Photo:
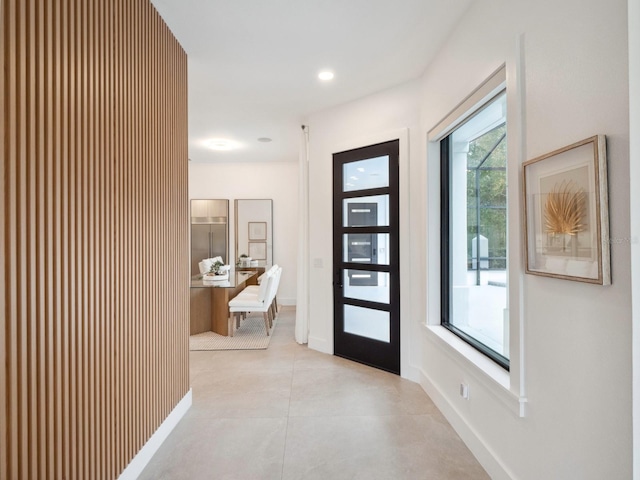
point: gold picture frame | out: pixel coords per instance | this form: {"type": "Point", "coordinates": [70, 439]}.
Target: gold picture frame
{"type": "Point", "coordinates": [567, 213]}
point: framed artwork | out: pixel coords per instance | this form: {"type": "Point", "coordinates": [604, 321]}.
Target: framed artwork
{"type": "Point", "coordinates": [258, 250]}
{"type": "Point", "coordinates": [257, 231]}
{"type": "Point", "coordinates": [567, 213]}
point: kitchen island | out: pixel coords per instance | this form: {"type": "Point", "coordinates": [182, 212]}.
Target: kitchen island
{"type": "Point", "coordinates": [210, 300]}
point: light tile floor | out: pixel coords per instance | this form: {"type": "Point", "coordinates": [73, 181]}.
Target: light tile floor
{"type": "Point", "coordinates": [292, 413]}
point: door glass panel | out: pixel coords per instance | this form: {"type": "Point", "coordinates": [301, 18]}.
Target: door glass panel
{"type": "Point", "coordinates": [366, 322]}
{"type": "Point", "coordinates": [364, 285]}
{"type": "Point", "coordinates": [366, 174]}
{"type": "Point", "coordinates": [366, 211]}
{"type": "Point", "coordinates": [366, 248]}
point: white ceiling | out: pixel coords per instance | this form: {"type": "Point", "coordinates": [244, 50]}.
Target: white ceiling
{"type": "Point", "coordinates": [253, 64]}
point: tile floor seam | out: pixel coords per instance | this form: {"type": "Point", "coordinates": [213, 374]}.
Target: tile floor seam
{"type": "Point", "coordinates": [382, 415]}
{"type": "Point", "coordinates": [286, 427]}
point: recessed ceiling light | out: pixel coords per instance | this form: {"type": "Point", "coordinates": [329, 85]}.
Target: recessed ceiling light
{"type": "Point", "coordinates": [221, 144]}
{"type": "Point", "coordinates": [325, 75]}
{"type": "Point", "coordinates": [264, 139]}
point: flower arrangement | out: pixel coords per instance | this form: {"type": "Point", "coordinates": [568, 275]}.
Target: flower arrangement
{"type": "Point", "coordinates": [215, 268]}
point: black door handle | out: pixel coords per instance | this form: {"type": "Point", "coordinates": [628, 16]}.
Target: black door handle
{"type": "Point", "coordinates": [338, 279]}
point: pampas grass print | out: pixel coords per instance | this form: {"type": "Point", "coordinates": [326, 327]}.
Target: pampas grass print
{"type": "Point", "coordinates": [564, 209]}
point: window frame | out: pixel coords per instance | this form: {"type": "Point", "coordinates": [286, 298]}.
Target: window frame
{"type": "Point", "coordinates": [445, 237]}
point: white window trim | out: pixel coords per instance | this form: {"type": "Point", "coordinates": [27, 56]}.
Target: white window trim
{"type": "Point", "coordinates": [474, 101]}
{"type": "Point", "coordinates": [507, 386]}
{"type": "Point", "coordinates": [485, 371]}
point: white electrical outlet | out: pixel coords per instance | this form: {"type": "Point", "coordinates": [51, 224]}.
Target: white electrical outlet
{"type": "Point", "coordinates": [464, 391]}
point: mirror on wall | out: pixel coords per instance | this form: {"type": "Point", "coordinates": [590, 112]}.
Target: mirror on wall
{"type": "Point", "coordinates": [254, 231]}
{"type": "Point", "coordinates": [209, 231]}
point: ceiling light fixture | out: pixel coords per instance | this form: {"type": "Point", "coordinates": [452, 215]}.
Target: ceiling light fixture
{"type": "Point", "coordinates": [326, 75]}
{"type": "Point", "coordinates": [264, 139]}
{"type": "Point", "coordinates": [221, 144]}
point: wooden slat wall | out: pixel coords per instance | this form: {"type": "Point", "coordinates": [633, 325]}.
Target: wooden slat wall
{"type": "Point", "coordinates": [94, 296]}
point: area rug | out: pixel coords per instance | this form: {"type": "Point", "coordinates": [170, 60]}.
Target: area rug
{"type": "Point", "coordinates": [250, 336]}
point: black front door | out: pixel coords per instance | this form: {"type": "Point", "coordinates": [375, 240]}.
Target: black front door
{"type": "Point", "coordinates": [366, 256]}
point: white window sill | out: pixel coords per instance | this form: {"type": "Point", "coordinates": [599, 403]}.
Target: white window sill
{"type": "Point", "coordinates": [493, 377]}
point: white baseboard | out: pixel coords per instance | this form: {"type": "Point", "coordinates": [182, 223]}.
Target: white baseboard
{"type": "Point", "coordinates": [411, 372]}
{"type": "Point", "coordinates": [487, 458]}
{"type": "Point", "coordinates": [286, 301]}
{"type": "Point", "coordinates": [320, 344]}
{"type": "Point", "coordinates": [135, 467]}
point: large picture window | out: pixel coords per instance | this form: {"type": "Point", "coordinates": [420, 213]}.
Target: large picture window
{"type": "Point", "coordinates": [474, 230]}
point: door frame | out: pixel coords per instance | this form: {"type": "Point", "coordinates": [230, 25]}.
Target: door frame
{"type": "Point", "coordinates": [320, 320]}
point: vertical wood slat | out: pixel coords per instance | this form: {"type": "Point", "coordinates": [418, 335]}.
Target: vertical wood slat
{"type": "Point", "coordinates": [9, 396]}
{"type": "Point", "coordinates": [4, 457]}
{"type": "Point", "coordinates": [48, 248]}
{"type": "Point", "coordinates": [44, 468]}
{"type": "Point", "coordinates": [33, 234]}
{"type": "Point", "coordinates": [110, 233]}
{"type": "Point", "coordinates": [22, 244]}
{"type": "Point", "coordinates": [94, 197]}
{"type": "Point", "coordinates": [56, 269]}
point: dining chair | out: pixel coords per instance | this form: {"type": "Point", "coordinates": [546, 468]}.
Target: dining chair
{"type": "Point", "coordinates": [248, 302]}
{"type": "Point", "coordinates": [253, 289]}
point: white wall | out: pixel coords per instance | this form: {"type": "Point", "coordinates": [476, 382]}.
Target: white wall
{"type": "Point", "coordinates": [573, 353]}
{"type": "Point", "coordinates": [576, 355]}
{"type": "Point", "coordinates": [275, 180]}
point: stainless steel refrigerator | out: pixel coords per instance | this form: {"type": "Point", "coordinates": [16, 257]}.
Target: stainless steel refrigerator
{"type": "Point", "coordinates": [209, 231]}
